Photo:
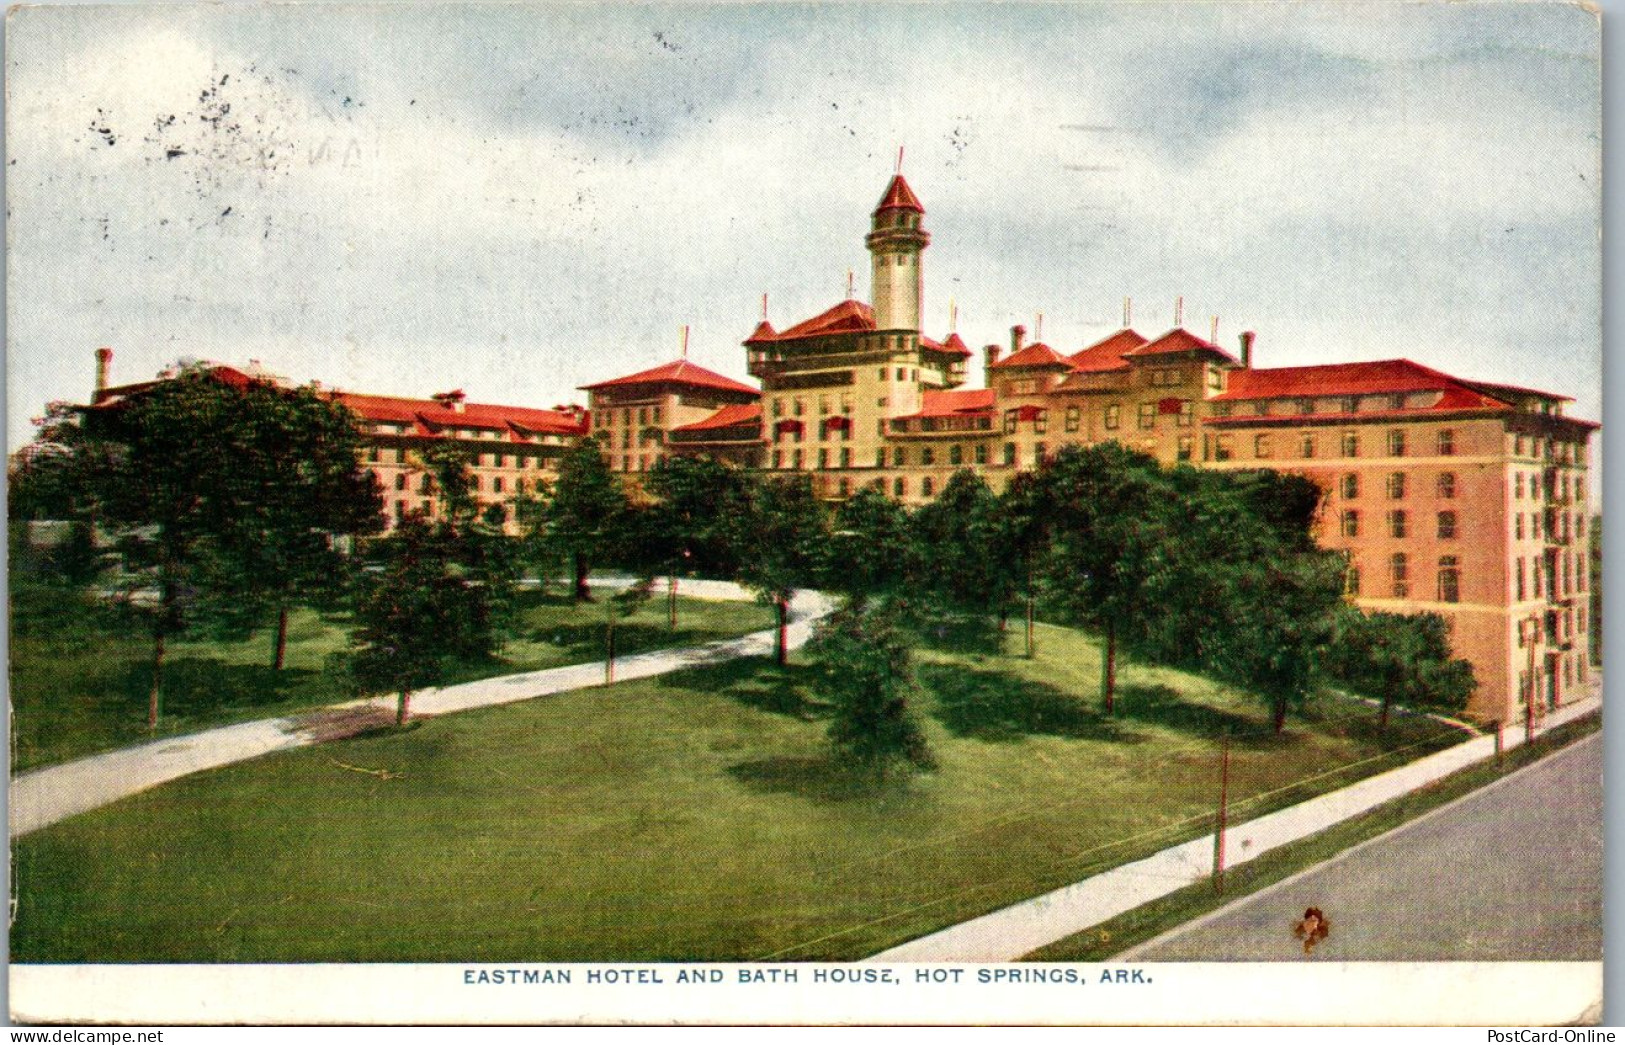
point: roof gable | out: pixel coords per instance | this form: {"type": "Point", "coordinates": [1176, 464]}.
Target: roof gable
{"type": "Point", "coordinates": [849, 317]}
{"type": "Point", "coordinates": [1034, 355]}
{"type": "Point", "coordinates": [1178, 340]}
{"type": "Point", "coordinates": [1107, 354]}
{"type": "Point", "coordinates": [679, 372]}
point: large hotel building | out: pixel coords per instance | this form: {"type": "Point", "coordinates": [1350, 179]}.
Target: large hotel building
{"type": "Point", "coordinates": [1448, 495]}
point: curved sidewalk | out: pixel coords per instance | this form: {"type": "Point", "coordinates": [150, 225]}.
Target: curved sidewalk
{"type": "Point", "coordinates": [46, 796]}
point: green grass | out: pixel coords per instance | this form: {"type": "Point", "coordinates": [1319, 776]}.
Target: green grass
{"type": "Point", "coordinates": [1110, 938]}
{"type": "Point", "coordinates": [693, 816]}
{"type": "Point", "coordinates": [80, 672]}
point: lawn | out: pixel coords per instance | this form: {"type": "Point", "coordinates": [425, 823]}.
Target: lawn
{"type": "Point", "coordinates": [80, 672]}
{"type": "Point", "coordinates": [692, 816]}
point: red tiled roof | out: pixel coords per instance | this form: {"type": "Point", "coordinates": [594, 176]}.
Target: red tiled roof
{"type": "Point", "coordinates": [429, 417]}
{"type": "Point", "coordinates": [954, 346]}
{"type": "Point", "coordinates": [1035, 355]}
{"type": "Point", "coordinates": [1107, 354]}
{"type": "Point", "coordinates": [899, 197]}
{"type": "Point", "coordinates": [849, 317]}
{"type": "Point", "coordinates": [1337, 379]}
{"type": "Point", "coordinates": [1178, 340]}
{"type": "Point", "coordinates": [678, 372]}
{"type": "Point", "coordinates": [730, 416]}
{"type": "Point", "coordinates": [952, 404]}
{"type": "Point", "coordinates": [764, 332]}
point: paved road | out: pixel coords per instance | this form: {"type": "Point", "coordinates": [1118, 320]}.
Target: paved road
{"type": "Point", "coordinates": [1513, 871]}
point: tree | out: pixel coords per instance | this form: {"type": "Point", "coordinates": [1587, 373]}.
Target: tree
{"type": "Point", "coordinates": [864, 671]}
{"type": "Point", "coordinates": [960, 556]}
{"type": "Point", "coordinates": [418, 614]}
{"type": "Point", "coordinates": [869, 550]}
{"type": "Point", "coordinates": [585, 511]}
{"type": "Point", "coordinates": [697, 504]}
{"type": "Point", "coordinates": [1404, 657]}
{"type": "Point", "coordinates": [449, 468]}
{"type": "Point", "coordinates": [207, 480]}
{"type": "Point", "coordinates": [781, 538]}
{"type": "Point", "coordinates": [1021, 523]}
{"type": "Point", "coordinates": [1109, 548]}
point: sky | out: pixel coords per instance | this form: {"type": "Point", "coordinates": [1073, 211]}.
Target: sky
{"type": "Point", "coordinates": [517, 200]}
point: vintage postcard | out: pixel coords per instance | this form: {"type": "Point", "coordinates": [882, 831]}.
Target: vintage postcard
{"type": "Point", "coordinates": [805, 513]}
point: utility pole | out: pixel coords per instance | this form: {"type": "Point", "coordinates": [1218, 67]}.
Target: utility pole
{"type": "Point", "coordinates": [1224, 803]}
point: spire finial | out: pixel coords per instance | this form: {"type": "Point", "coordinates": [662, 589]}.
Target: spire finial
{"type": "Point", "coordinates": [1179, 311]}
{"type": "Point", "coordinates": [1214, 338]}
{"type": "Point", "coordinates": [849, 291]}
{"type": "Point", "coordinates": [685, 340]}
{"type": "Point", "coordinates": [764, 307]}
{"type": "Point", "coordinates": [1128, 313]}
{"type": "Point", "coordinates": [899, 159]}
{"type": "Point", "coordinates": [953, 317]}
{"type": "Point", "coordinates": [1038, 328]}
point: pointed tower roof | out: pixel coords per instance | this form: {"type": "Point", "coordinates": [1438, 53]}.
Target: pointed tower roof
{"type": "Point", "coordinates": [899, 197]}
{"type": "Point", "coordinates": [764, 332]}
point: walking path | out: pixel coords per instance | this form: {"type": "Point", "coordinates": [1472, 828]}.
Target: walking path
{"type": "Point", "coordinates": [45, 796]}
{"type": "Point", "coordinates": [1008, 934]}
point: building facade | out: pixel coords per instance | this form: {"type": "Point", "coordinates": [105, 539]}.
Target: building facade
{"type": "Point", "coordinates": [1447, 495]}
{"type": "Point", "coordinates": [510, 449]}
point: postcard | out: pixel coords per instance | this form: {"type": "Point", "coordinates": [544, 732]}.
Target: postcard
{"type": "Point", "coordinates": [805, 513]}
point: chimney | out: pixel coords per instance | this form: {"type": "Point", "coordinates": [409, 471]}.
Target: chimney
{"type": "Point", "coordinates": [104, 360]}
{"type": "Point", "coordinates": [993, 354]}
{"type": "Point", "coordinates": [1018, 337]}
{"type": "Point", "coordinates": [1247, 337]}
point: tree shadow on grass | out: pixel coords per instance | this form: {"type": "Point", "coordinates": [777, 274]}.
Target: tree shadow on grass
{"type": "Point", "coordinates": [1163, 706]}
{"type": "Point", "coordinates": [992, 706]}
{"type": "Point", "coordinates": [756, 682]}
{"type": "Point", "coordinates": [201, 686]}
{"type": "Point", "coordinates": [821, 778]}
{"type": "Point", "coordinates": [958, 633]}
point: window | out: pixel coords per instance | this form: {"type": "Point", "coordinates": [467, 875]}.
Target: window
{"type": "Point", "coordinates": [899, 373]}
{"type": "Point", "coordinates": [981, 453]}
{"type": "Point", "coordinates": [1187, 413]}
{"type": "Point", "coordinates": [1396, 486]}
{"type": "Point", "coordinates": [643, 415]}
{"type": "Point", "coordinates": [1399, 573]}
{"type": "Point", "coordinates": [880, 457]}
{"type": "Point", "coordinates": [823, 406]}
{"type": "Point", "coordinates": [1518, 445]}
{"type": "Point", "coordinates": [899, 457]}
{"type": "Point", "coordinates": [1148, 415]}
{"type": "Point", "coordinates": [1447, 442]}
{"type": "Point", "coordinates": [1010, 453]}
{"type": "Point", "coordinates": [1449, 580]}
{"type": "Point", "coordinates": [1396, 524]}
{"type": "Point", "coordinates": [823, 459]}
{"type": "Point", "coordinates": [926, 486]}
{"type": "Point", "coordinates": [1306, 406]}
{"type": "Point", "coordinates": [1114, 417]}
{"type": "Point", "coordinates": [1222, 450]}
{"type": "Point", "coordinates": [800, 461]}
{"type": "Point", "coordinates": [956, 454]}
{"type": "Point", "coordinates": [427, 486]}
{"type": "Point", "coordinates": [1396, 442]}
{"type": "Point", "coordinates": [846, 457]}
{"type": "Point", "coordinates": [1351, 444]}
{"type": "Point", "coordinates": [1517, 486]}
{"type": "Point", "coordinates": [778, 408]}
{"type": "Point", "coordinates": [1350, 404]}
{"type": "Point", "coordinates": [400, 510]}
{"type": "Point", "coordinates": [928, 455]}
{"type": "Point", "coordinates": [778, 458]}
{"type": "Point", "coordinates": [1261, 447]}
{"type": "Point", "coordinates": [1072, 416]}
{"type": "Point", "coordinates": [400, 481]}
{"type": "Point", "coordinates": [400, 456]}
{"type": "Point", "coordinates": [1040, 453]}
{"type": "Point", "coordinates": [1445, 486]}
{"type": "Point", "coordinates": [1261, 408]}
{"type": "Point", "coordinates": [1517, 526]}
{"type": "Point", "coordinates": [798, 408]}
{"type": "Point", "coordinates": [1351, 523]}
{"type": "Point", "coordinates": [1009, 421]}
{"type": "Point", "coordinates": [1350, 486]}
{"type": "Point", "coordinates": [1306, 446]}
{"type": "Point", "coordinates": [1396, 402]}
{"type": "Point", "coordinates": [1187, 446]}
{"type": "Point", "coordinates": [1535, 525]}
{"type": "Point", "coordinates": [1351, 579]}
{"type": "Point", "coordinates": [372, 455]}
{"type": "Point", "coordinates": [1518, 583]}
{"type": "Point", "coordinates": [1041, 422]}
{"type": "Point", "coordinates": [496, 485]}
{"type": "Point", "coordinates": [899, 487]}
{"type": "Point", "coordinates": [1447, 525]}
